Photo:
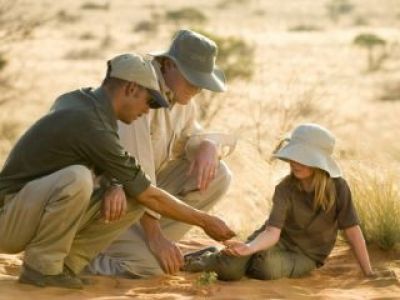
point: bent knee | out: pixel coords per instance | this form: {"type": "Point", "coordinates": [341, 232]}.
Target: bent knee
{"type": "Point", "coordinates": [223, 177]}
{"type": "Point", "coordinates": [79, 180]}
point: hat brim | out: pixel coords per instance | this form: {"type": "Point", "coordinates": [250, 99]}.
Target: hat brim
{"type": "Point", "coordinates": [158, 100]}
{"type": "Point", "coordinates": [310, 157]}
{"type": "Point", "coordinates": [214, 81]}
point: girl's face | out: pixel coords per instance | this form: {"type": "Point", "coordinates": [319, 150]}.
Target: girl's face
{"type": "Point", "coordinates": [301, 172]}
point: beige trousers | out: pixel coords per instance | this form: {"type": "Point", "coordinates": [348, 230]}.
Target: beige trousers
{"type": "Point", "coordinates": [55, 221]}
{"type": "Point", "coordinates": [129, 255]}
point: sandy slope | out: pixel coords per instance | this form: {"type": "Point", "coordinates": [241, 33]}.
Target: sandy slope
{"type": "Point", "coordinates": [339, 278]}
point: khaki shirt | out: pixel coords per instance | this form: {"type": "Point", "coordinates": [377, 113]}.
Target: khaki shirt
{"type": "Point", "coordinates": [166, 134]}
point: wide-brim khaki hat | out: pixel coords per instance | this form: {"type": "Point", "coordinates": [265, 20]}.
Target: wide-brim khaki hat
{"type": "Point", "coordinates": [195, 55]}
{"type": "Point", "coordinates": [311, 145]}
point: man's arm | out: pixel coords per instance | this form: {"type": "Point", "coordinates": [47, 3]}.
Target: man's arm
{"type": "Point", "coordinates": [169, 206]}
{"type": "Point", "coordinates": [167, 253]}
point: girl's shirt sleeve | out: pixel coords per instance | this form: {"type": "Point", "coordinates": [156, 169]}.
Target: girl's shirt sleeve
{"type": "Point", "coordinates": [280, 204]}
{"type": "Point", "coordinates": [346, 212]}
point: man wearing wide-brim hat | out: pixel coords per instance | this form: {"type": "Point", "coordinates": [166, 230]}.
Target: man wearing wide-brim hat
{"type": "Point", "coordinates": [173, 149]}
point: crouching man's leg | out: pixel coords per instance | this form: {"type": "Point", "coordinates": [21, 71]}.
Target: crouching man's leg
{"type": "Point", "coordinates": [48, 219]}
{"type": "Point", "coordinates": [130, 255]}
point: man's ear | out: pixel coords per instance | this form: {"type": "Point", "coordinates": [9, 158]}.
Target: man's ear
{"type": "Point", "coordinates": [131, 88]}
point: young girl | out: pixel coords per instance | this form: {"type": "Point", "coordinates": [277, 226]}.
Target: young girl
{"type": "Point", "coordinates": [310, 205]}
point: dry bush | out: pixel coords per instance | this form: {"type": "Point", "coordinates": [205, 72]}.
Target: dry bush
{"type": "Point", "coordinates": [66, 17]}
{"type": "Point", "coordinates": [84, 54]}
{"type": "Point", "coordinates": [377, 199]}
{"type": "Point", "coordinates": [391, 91]}
{"type": "Point", "coordinates": [96, 6]}
{"type": "Point", "coordinates": [272, 121]}
{"type": "Point", "coordinates": [187, 14]}
{"type": "Point", "coordinates": [86, 36]}
{"type": "Point", "coordinates": [338, 8]}
{"type": "Point", "coordinates": [16, 24]}
{"type": "Point", "coordinates": [305, 27]}
{"type": "Point", "coordinates": [148, 26]}
{"type": "Point", "coordinates": [224, 4]}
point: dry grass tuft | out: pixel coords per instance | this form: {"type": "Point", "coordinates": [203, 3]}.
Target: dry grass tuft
{"type": "Point", "coordinates": [377, 199]}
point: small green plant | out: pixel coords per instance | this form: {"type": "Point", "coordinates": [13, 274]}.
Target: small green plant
{"type": "Point", "coordinates": [372, 43]}
{"type": "Point", "coordinates": [377, 200]}
{"type": "Point", "coordinates": [187, 14]}
{"type": "Point", "coordinates": [337, 8]}
{"type": "Point", "coordinates": [206, 278]}
{"type": "Point", "coordinates": [96, 6]}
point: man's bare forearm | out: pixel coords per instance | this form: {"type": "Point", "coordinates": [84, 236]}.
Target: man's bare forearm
{"type": "Point", "coordinates": [171, 207]}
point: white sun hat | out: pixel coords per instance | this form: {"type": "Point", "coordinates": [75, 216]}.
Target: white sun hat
{"type": "Point", "coordinates": [311, 145]}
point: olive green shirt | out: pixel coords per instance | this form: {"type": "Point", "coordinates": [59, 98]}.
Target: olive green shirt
{"type": "Point", "coordinates": [80, 129]}
{"type": "Point", "coordinates": [305, 230]}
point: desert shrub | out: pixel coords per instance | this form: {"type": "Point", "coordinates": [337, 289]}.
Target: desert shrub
{"type": "Point", "coordinates": [83, 54]}
{"type": "Point", "coordinates": [337, 8]}
{"type": "Point", "coordinates": [360, 21]}
{"type": "Point", "coordinates": [16, 23]}
{"type": "Point", "coordinates": [96, 6]}
{"type": "Point", "coordinates": [187, 14]}
{"type": "Point", "coordinates": [391, 91]}
{"type": "Point", "coordinates": [229, 3]}
{"type": "Point", "coordinates": [305, 27]}
{"type": "Point", "coordinates": [63, 16]}
{"type": "Point", "coordinates": [87, 36]}
{"type": "Point", "coordinates": [375, 46]}
{"type": "Point", "coordinates": [377, 199]}
{"type": "Point", "coordinates": [9, 130]}
{"type": "Point", "coordinates": [146, 26]}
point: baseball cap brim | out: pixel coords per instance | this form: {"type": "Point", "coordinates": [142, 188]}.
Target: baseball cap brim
{"type": "Point", "coordinates": [158, 99]}
{"type": "Point", "coordinates": [214, 81]}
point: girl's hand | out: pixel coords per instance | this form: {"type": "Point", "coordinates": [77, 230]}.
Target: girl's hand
{"type": "Point", "coordinates": [237, 248]}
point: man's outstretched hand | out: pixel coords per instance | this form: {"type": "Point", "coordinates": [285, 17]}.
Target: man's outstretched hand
{"type": "Point", "coordinates": [217, 229]}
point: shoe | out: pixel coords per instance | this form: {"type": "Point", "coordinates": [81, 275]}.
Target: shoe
{"type": "Point", "coordinates": [197, 261]}
{"type": "Point", "coordinates": [33, 277]}
{"type": "Point", "coordinates": [84, 280]}
{"type": "Point", "coordinates": [198, 253]}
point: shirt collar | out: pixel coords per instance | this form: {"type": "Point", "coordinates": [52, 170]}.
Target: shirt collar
{"type": "Point", "coordinates": [165, 90]}
{"type": "Point", "coordinates": [105, 105]}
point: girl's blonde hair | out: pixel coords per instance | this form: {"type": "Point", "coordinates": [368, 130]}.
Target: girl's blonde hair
{"type": "Point", "coordinates": [324, 189]}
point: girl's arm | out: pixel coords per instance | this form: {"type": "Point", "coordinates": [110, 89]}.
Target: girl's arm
{"type": "Point", "coordinates": [266, 239]}
{"type": "Point", "coordinates": [357, 242]}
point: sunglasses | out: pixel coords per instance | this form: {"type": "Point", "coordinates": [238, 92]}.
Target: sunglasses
{"type": "Point", "coordinates": [152, 103]}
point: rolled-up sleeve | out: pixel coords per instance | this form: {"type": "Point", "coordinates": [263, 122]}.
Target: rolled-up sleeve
{"type": "Point", "coordinates": [104, 151]}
